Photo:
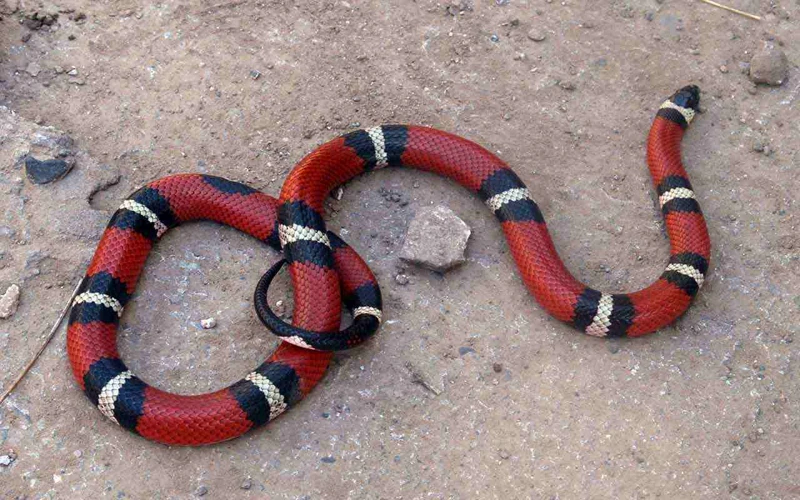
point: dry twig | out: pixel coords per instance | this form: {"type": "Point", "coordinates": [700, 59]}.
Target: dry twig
{"type": "Point", "coordinates": [44, 344]}
{"type": "Point", "coordinates": [731, 9]}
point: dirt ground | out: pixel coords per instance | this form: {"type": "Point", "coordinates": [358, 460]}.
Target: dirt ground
{"type": "Point", "coordinates": [243, 89]}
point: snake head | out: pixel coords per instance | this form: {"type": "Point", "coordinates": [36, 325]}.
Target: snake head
{"type": "Point", "coordinates": [687, 97]}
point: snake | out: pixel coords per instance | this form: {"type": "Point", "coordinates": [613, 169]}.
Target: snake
{"type": "Point", "coordinates": [326, 272]}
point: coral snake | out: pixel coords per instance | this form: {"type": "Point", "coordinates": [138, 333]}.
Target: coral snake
{"type": "Point", "coordinates": [325, 270]}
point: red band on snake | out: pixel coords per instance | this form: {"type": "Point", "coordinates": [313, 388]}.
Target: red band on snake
{"type": "Point", "coordinates": [324, 269]}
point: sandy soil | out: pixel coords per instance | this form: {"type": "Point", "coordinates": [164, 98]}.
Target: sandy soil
{"type": "Point", "coordinates": [705, 409]}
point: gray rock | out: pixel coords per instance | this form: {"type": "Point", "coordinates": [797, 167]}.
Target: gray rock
{"type": "Point", "coordinates": [43, 172]}
{"type": "Point", "coordinates": [33, 69]}
{"type": "Point", "coordinates": [537, 35]}
{"type": "Point", "coordinates": [6, 460]}
{"type": "Point", "coordinates": [9, 302]}
{"type": "Point", "coordinates": [769, 66]}
{"type": "Point", "coordinates": [436, 239]}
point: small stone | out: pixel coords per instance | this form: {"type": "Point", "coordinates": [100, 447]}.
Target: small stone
{"type": "Point", "coordinates": [280, 308]}
{"type": "Point", "coordinates": [246, 484]}
{"type": "Point", "coordinates": [494, 38]}
{"type": "Point", "coordinates": [43, 172]}
{"type": "Point", "coordinates": [497, 367]}
{"type": "Point", "coordinates": [208, 323]}
{"type": "Point", "coordinates": [723, 69]}
{"type": "Point", "coordinates": [769, 66]}
{"type": "Point", "coordinates": [504, 454]}
{"type": "Point", "coordinates": [71, 37]}
{"type": "Point", "coordinates": [567, 85]}
{"type": "Point", "coordinates": [77, 453]}
{"type": "Point", "coordinates": [401, 279]}
{"type": "Point", "coordinates": [6, 460]}
{"type": "Point", "coordinates": [328, 460]}
{"type": "Point", "coordinates": [201, 491]}
{"type": "Point", "coordinates": [73, 72]}
{"type": "Point", "coordinates": [26, 37]}
{"type": "Point", "coordinates": [33, 69]}
{"type": "Point", "coordinates": [9, 302]}
{"type": "Point", "coordinates": [436, 239]}
{"type": "Point", "coordinates": [460, 7]}
{"type": "Point", "coordinates": [462, 351]}
{"type": "Point", "coordinates": [537, 35]}
{"type": "Point", "coordinates": [255, 75]}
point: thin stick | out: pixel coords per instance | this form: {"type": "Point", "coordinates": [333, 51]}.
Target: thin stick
{"type": "Point", "coordinates": [44, 345]}
{"type": "Point", "coordinates": [731, 9]}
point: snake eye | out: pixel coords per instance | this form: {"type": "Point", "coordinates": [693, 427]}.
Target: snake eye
{"type": "Point", "coordinates": [687, 97]}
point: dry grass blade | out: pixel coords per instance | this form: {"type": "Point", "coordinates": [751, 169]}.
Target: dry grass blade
{"type": "Point", "coordinates": [731, 9]}
{"type": "Point", "coordinates": [44, 344]}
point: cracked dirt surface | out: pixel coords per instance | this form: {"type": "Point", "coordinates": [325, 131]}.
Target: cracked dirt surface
{"type": "Point", "coordinates": [470, 390]}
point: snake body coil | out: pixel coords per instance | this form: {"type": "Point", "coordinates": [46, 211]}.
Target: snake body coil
{"type": "Point", "coordinates": [325, 270]}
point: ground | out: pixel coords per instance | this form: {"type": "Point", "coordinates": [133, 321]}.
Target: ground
{"type": "Point", "coordinates": [470, 390]}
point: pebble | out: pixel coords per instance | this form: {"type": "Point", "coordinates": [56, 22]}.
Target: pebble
{"type": "Point", "coordinates": [436, 239]}
{"type": "Point", "coordinates": [246, 484]}
{"type": "Point", "coordinates": [769, 66]}
{"type": "Point", "coordinates": [393, 196]}
{"type": "Point", "coordinates": [73, 72]}
{"type": "Point", "coordinates": [7, 459]}
{"type": "Point", "coordinates": [537, 35]}
{"type": "Point", "coordinates": [401, 279]}
{"type": "Point", "coordinates": [328, 460]}
{"type": "Point", "coordinates": [9, 302]}
{"type": "Point", "coordinates": [208, 323]}
{"type": "Point", "coordinates": [459, 7]}
{"type": "Point", "coordinates": [43, 172]}
{"type": "Point", "coordinates": [33, 69]}
{"type": "Point", "coordinates": [465, 350]}
{"type": "Point", "coordinates": [567, 85]}
{"type": "Point", "coordinates": [723, 69]}
{"type": "Point", "coordinates": [201, 491]}
{"type": "Point", "coordinates": [504, 454]}
{"type": "Point", "coordinates": [497, 367]}
{"type": "Point", "coordinates": [280, 308]}
{"type": "Point", "coordinates": [762, 148]}
{"type": "Point", "coordinates": [255, 74]}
